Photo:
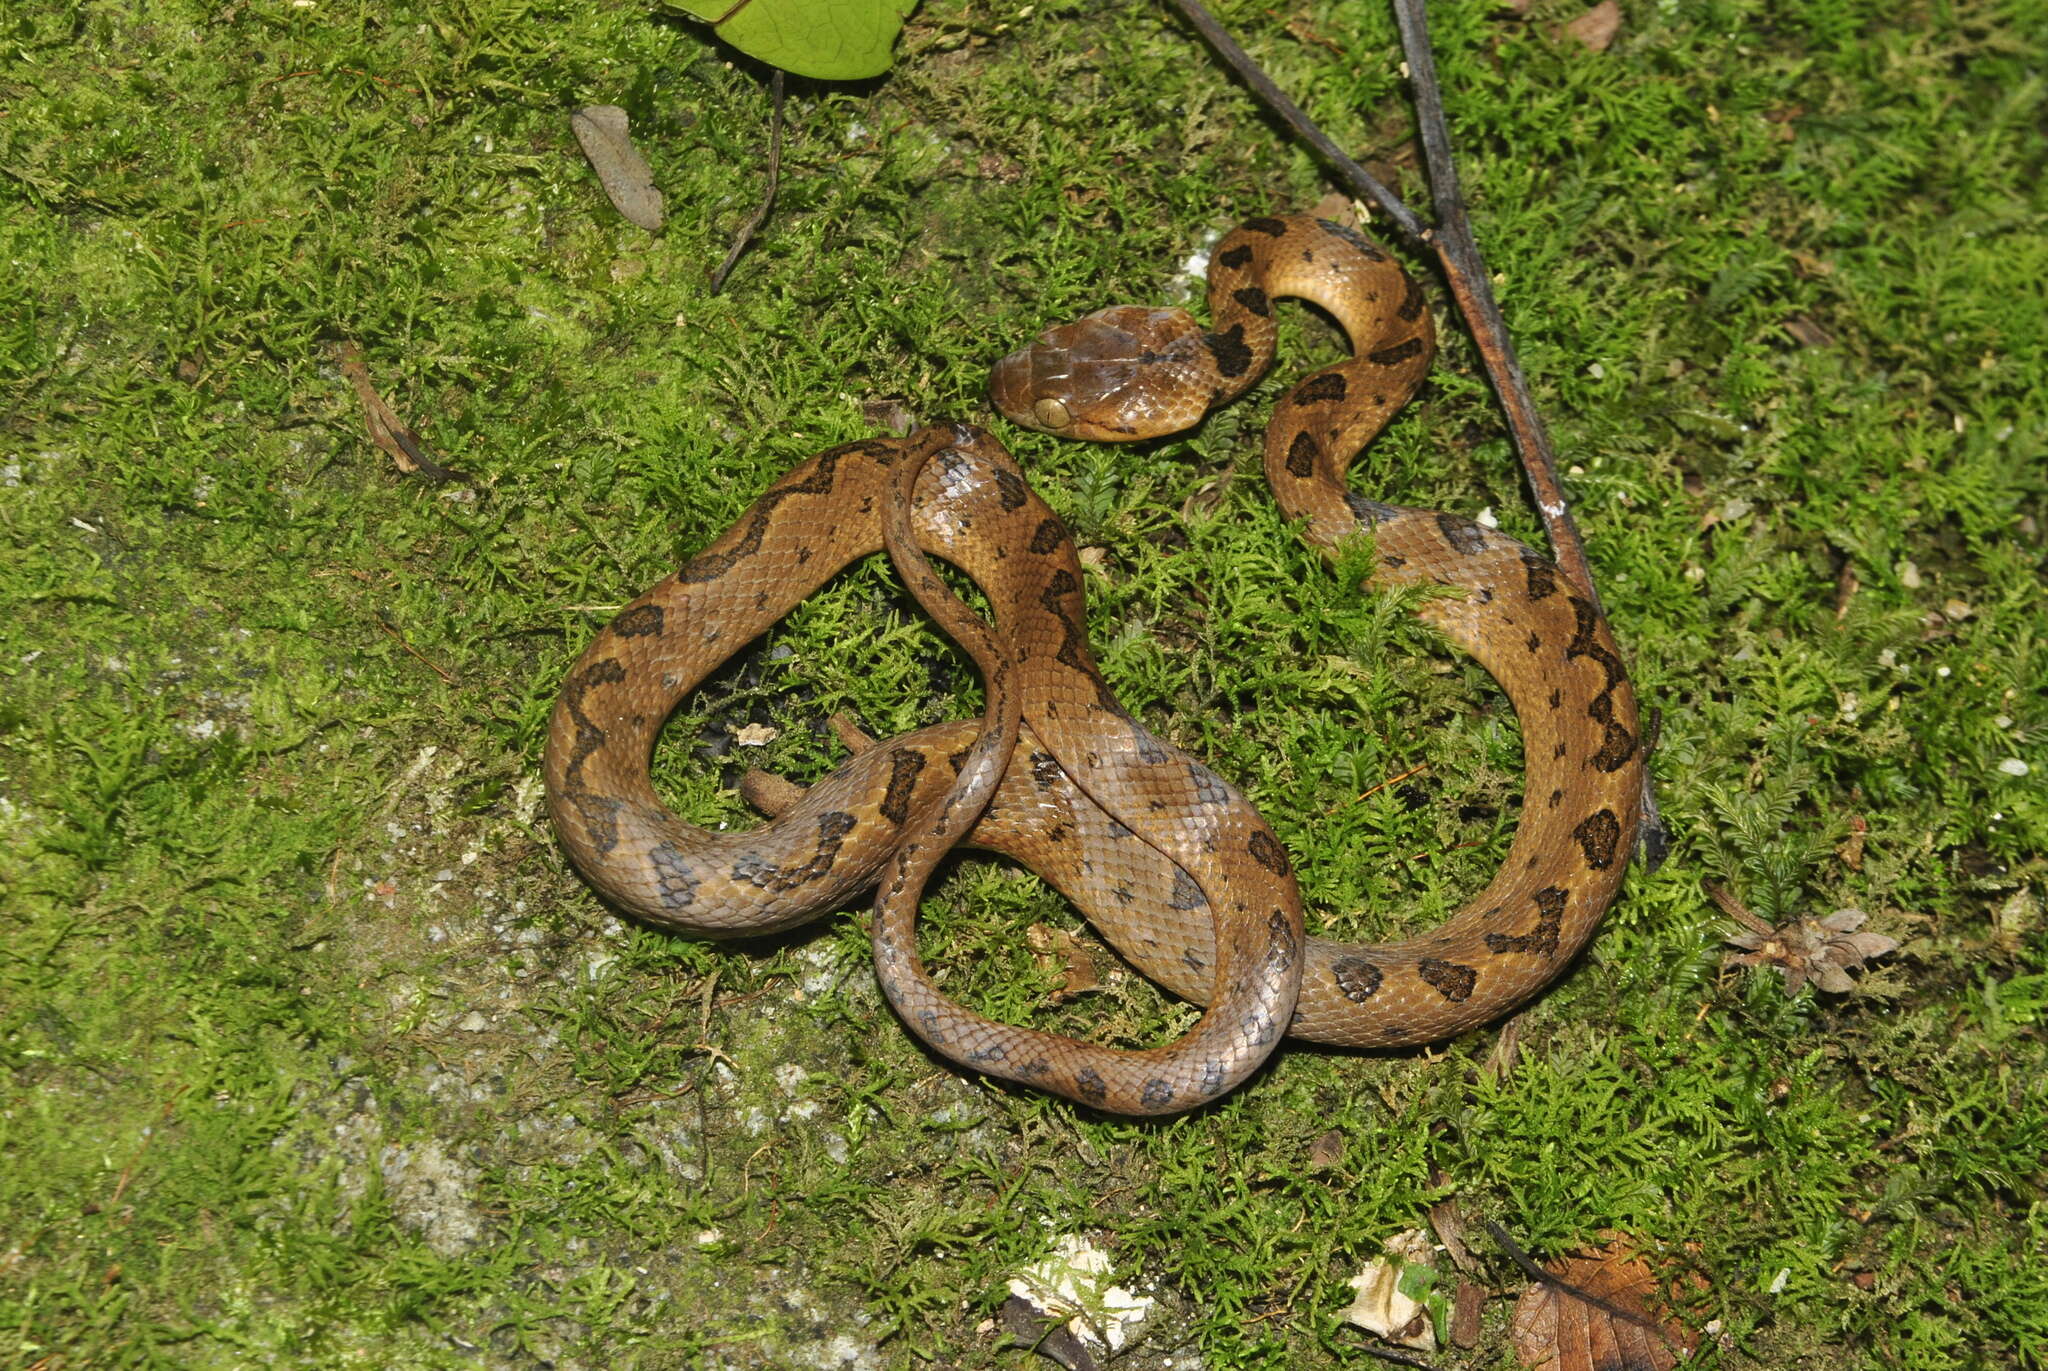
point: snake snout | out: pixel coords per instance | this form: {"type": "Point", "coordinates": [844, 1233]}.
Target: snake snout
{"type": "Point", "coordinates": [1015, 389]}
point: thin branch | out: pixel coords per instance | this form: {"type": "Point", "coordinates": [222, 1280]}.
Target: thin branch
{"type": "Point", "coordinates": [1356, 177]}
{"type": "Point", "coordinates": [748, 229]}
{"type": "Point", "coordinates": [1450, 241]}
{"type": "Point", "coordinates": [1473, 287]}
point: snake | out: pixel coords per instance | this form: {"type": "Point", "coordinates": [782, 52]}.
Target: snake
{"type": "Point", "coordinates": [1167, 859]}
{"type": "Point", "coordinates": [894, 811]}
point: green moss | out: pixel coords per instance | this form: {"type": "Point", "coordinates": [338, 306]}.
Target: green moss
{"type": "Point", "coordinates": [317, 1052]}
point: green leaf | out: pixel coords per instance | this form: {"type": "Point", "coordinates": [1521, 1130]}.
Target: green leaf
{"type": "Point", "coordinates": [834, 40]}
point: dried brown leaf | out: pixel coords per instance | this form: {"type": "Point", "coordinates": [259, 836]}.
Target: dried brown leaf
{"type": "Point", "coordinates": [1597, 26]}
{"type": "Point", "coordinates": [1820, 950]}
{"type": "Point", "coordinates": [387, 430]}
{"type": "Point", "coordinates": [1059, 948]}
{"type": "Point", "coordinates": [1338, 209]}
{"type": "Point", "coordinates": [1851, 850]}
{"type": "Point", "coordinates": [1466, 1311]}
{"type": "Point", "coordinates": [1602, 1322]}
{"type": "Point", "coordinates": [1808, 333]}
{"type": "Point", "coordinates": [603, 132]}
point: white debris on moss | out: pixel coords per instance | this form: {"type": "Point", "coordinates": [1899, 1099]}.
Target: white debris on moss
{"type": "Point", "coordinates": [1392, 1290]}
{"type": "Point", "coordinates": [1072, 1282]}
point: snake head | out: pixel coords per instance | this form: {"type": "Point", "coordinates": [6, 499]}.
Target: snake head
{"type": "Point", "coordinates": [1103, 377]}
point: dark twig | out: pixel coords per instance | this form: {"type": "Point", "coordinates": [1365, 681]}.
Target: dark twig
{"type": "Point", "coordinates": [399, 638]}
{"type": "Point", "coordinates": [1457, 254]}
{"type": "Point", "coordinates": [1356, 177]}
{"type": "Point", "coordinates": [1450, 241]}
{"type": "Point", "coordinates": [1473, 288]}
{"type": "Point", "coordinates": [760, 216]}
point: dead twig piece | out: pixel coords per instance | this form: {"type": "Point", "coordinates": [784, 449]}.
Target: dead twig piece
{"type": "Point", "coordinates": [1467, 1308]}
{"type": "Point", "coordinates": [148, 1137]}
{"type": "Point", "coordinates": [760, 216]}
{"type": "Point", "coordinates": [1465, 270]}
{"type": "Point", "coordinates": [1472, 285]}
{"type": "Point", "coordinates": [1353, 175]}
{"type": "Point", "coordinates": [1449, 1227]}
{"type": "Point", "coordinates": [399, 638]}
{"type": "Point", "coordinates": [387, 430]}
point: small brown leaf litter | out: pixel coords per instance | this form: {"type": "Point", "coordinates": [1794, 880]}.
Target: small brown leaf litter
{"type": "Point", "coordinates": [1808, 332]}
{"type": "Point", "coordinates": [1823, 951]}
{"type": "Point", "coordinates": [888, 412]}
{"type": "Point", "coordinates": [1594, 1315]}
{"type": "Point", "coordinates": [387, 430]}
{"type": "Point", "coordinates": [1595, 29]}
{"type": "Point", "coordinates": [604, 133]}
{"type": "Point", "coordinates": [1851, 850]}
{"type": "Point", "coordinates": [1059, 948]}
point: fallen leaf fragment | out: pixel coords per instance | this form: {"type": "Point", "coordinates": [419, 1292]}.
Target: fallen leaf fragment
{"type": "Point", "coordinates": [1450, 1229]}
{"type": "Point", "coordinates": [1597, 26]}
{"type": "Point", "coordinates": [1466, 1312]}
{"type": "Point", "coordinates": [1823, 951]}
{"type": "Point", "coordinates": [628, 181]}
{"type": "Point", "coordinates": [2014, 919]}
{"type": "Point", "coordinates": [387, 430]}
{"type": "Point", "coordinates": [1338, 209]}
{"type": "Point", "coordinates": [1808, 333]}
{"type": "Point", "coordinates": [1851, 850]}
{"type": "Point", "coordinates": [1060, 948]}
{"type": "Point", "coordinates": [1393, 1292]}
{"type": "Point", "coordinates": [1596, 1317]}
{"type": "Point", "coordinates": [888, 413]}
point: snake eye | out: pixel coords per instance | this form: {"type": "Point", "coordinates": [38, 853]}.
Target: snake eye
{"type": "Point", "coordinates": [1050, 413]}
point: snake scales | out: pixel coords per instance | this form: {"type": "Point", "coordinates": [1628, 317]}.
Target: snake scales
{"type": "Point", "coordinates": [1169, 862]}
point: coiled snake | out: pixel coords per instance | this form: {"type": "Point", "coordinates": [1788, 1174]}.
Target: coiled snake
{"type": "Point", "coordinates": [1169, 862]}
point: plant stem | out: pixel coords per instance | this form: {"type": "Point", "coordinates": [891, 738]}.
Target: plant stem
{"type": "Point", "coordinates": [747, 230]}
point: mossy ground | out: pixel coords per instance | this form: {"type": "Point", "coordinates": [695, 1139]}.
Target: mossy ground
{"type": "Point", "coordinates": [317, 1052]}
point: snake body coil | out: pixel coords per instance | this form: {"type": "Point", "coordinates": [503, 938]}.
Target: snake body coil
{"type": "Point", "coordinates": [1168, 861]}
